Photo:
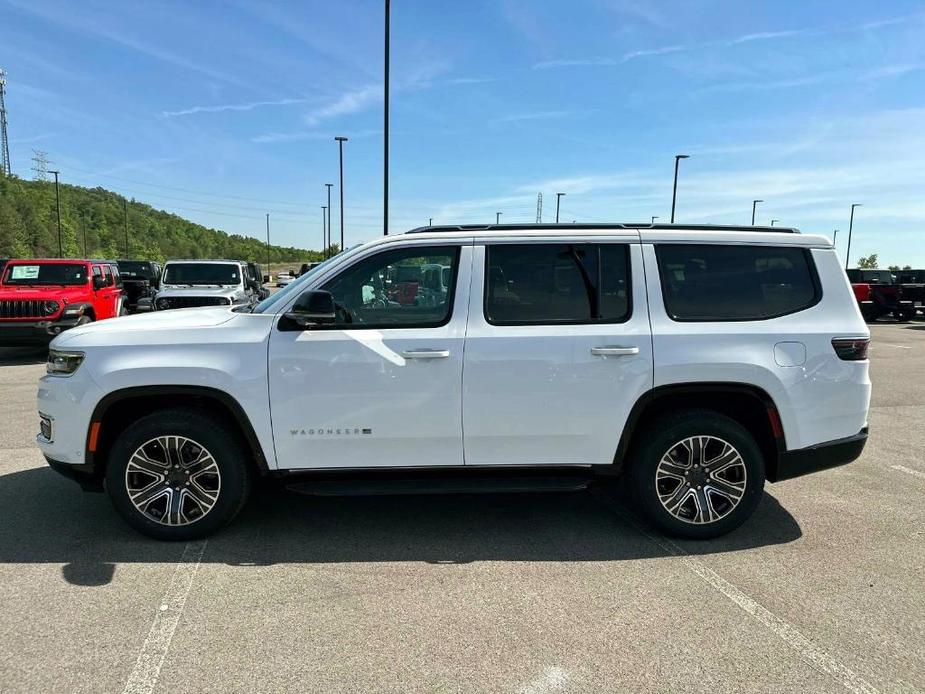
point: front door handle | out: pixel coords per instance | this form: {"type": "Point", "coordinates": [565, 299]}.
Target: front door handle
{"type": "Point", "coordinates": [614, 351]}
{"type": "Point", "coordinates": [426, 354]}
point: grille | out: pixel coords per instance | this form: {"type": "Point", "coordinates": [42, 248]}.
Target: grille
{"type": "Point", "coordinates": [168, 302]}
{"type": "Point", "coordinates": [22, 308]}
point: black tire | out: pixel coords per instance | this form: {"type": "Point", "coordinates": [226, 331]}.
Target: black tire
{"type": "Point", "coordinates": [204, 431]}
{"type": "Point", "coordinates": [903, 316]}
{"type": "Point", "coordinates": [662, 437]}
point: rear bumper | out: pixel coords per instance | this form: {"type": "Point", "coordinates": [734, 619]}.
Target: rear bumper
{"type": "Point", "coordinates": [83, 474]}
{"type": "Point", "coordinates": [33, 332]}
{"type": "Point", "coordinates": [804, 461]}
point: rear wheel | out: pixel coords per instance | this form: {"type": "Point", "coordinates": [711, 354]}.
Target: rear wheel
{"type": "Point", "coordinates": [178, 474]}
{"type": "Point", "coordinates": [697, 474]}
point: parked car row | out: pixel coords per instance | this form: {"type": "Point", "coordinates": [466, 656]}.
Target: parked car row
{"type": "Point", "coordinates": [880, 293]}
{"type": "Point", "coordinates": [40, 298]}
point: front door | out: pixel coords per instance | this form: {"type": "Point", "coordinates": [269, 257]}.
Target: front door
{"type": "Point", "coordinates": [382, 386]}
{"type": "Point", "coordinates": [558, 350]}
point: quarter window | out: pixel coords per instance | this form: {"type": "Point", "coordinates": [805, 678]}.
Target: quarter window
{"type": "Point", "coordinates": [735, 283]}
{"type": "Point", "coordinates": [539, 284]}
{"type": "Point", "coordinates": [403, 288]}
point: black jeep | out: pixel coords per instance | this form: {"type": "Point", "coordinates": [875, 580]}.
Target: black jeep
{"type": "Point", "coordinates": [141, 279]}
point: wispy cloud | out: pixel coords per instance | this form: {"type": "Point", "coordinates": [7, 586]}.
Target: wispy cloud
{"type": "Point", "coordinates": [472, 80]}
{"type": "Point", "coordinates": [349, 102]}
{"type": "Point", "coordinates": [221, 108]}
{"type": "Point", "coordinates": [768, 35]}
{"type": "Point", "coordinates": [537, 115]}
{"type": "Point", "coordinates": [574, 62]}
{"type": "Point", "coordinates": [632, 55]}
{"type": "Point", "coordinates": [770, 85]}
{"type": "Point", "coordinates": [272, 138]}
{"type": "Point", "coordinates": [892, 71]}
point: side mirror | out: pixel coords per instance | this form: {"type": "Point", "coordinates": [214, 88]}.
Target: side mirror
{"type": "Point", "coordinates": [99, 282]}
{"type": "Point", "coordinates": [266, 279]}
{"type": "Point", "coordinates": [313, 307]}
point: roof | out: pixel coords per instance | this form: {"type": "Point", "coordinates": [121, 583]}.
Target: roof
{"type": "Point", "coordinates": [50, 260]}
{"type": "Point", "coordinates": [603, 226]}
{"type": "Point", "coordinates": [205, 260]}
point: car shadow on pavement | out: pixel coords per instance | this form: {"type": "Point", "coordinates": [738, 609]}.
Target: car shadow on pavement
{"type": "Point", "coordinates": [19, 356]}
{"type": "Point", "coordinates": [47, 519]}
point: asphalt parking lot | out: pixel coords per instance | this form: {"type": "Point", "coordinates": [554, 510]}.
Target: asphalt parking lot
{"type": "Point", "coordinates": [822, 591]}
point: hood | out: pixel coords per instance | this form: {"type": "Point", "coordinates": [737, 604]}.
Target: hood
{"type": "Point", "coordinates": [166, 321]}
{"type": "Point", "coordinates": [199, 290]}
{"type": "Point", "coordinates": [41, 292]}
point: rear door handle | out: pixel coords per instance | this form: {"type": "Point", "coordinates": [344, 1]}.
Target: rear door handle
{"type": "Point", "coordinates": [614, 351]}
{"type": "Point", "coordinates": [426, 354]}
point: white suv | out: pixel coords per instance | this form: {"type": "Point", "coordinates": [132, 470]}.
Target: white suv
{"type": "Point", "coordinates": [697, 362]}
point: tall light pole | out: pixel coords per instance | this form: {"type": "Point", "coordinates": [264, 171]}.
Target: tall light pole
{"type": "Point", "coordinates": [674, 188]}
{"type": "Point", "coordinates": [754, 205]}
{"type": "Point", "coordinates": [430, 221]}
{"type": "Point", "coordinates": [324, 232]}
{"type": "Point", "coordinates": [385, 138]}
{"type": "Point", "coordinates": [654, 217]}
{"type": "Point", "coordinates": [327, 237]}
{"type": "Point", "coordinates": [850, 228]}
{"type": "Point", "coordinates": [498, 217]}
{"type": "Point", "coordinates": [125, 224]}
{"type": "Point", "coordinates": [268, 243]}
{"type": "Point", "coordinates": [558, 197]}
{"type": "Point", "coordinates": [340, 144]}
{"type": "Point", "coordinates": [774, 220]}
{"type": "Point", "coordinates": [58, 209]}
{"type": "Point", "coordinates": [835, 237]}
{"type": "Point", "coordinates": [86, 222]}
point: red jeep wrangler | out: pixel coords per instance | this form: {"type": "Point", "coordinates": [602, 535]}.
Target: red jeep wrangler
{"type": "Point", "coordinates": [40, 298]}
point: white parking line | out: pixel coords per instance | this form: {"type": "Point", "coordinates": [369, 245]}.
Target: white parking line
{"type": "Point", "coordinates": [887, 344]}
{"type": "Point", "coordinates": [814, 655]}
{"type": "Point", "coordinates": [552, 679]}
{"type": "Point", "coordinates": [151, 658]}
{"type": "Point", "coordinates": [903, 468]}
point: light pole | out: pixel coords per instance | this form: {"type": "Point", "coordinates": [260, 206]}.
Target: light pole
{"type": "Point", "coordinates": [327, 237]}
{"type": "Point", "coordinates": [558, 197]}
{"type": "Point", "coordinates": [653, 219]}
{"type": "Point", "coordinates": [835, 237]}
{"type": "Point", "coordinates": [385, 130]}
{"type": "Point", "coordinates": [268, 243]}
{"type": "Point", "coordinates": [430, 221]}
{"type": "Point", "coordinates": [340, 144]}
{"type": "Point", "coordinates": [498, 217]}
{"type": "Point", "coordinates": [674, 188]}
{"type": "Point", "coordinates": [324, 232]}
{"type": "Point", "coordinates": [125, 223]}
{"type": "Point", "coordinates": [850, 228]}
{"type": "Point", "coordinates": [754, 205]}
{"type": "Point", "coordinates": [774, 220]}
{"type": "Point", "coordinates": [86, 252]}
{"type": "Point", "coordinates": [58, 209]}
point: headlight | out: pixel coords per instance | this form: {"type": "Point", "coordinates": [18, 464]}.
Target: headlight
{"type": "Point", "coordinates": [63, 363]}
{"type": "Point", "coordinates": [51, 307]}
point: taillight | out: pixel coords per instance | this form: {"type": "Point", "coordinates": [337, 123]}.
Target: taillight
{"type": "Point", "coordinates": [851, 348]}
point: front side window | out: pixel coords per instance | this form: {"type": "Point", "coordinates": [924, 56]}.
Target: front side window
{"type": "Point", "coordinates": [540, 284]}
{"type": "Point", "coordinates": [46, 273]}
{"type": "Point", "coordinates": [735, 283]}
{"type": "Point", "coordinates": [401, 288]}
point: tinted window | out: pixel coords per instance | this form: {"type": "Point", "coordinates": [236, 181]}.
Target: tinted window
{"type": "Point", "coordinates": [714, 282]}
{"type": "Point", "coordinates": [205, 273]}
{"type": "Point", "coordinates": [50, 273]}
{"type": "Point", "coordinates": [402, 288]}
{"type": "Point", "coordinates": [556, 283]}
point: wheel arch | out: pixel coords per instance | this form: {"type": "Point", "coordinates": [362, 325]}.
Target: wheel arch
{"type": "Point", "coordinates": [121, 407]}
{"type": "Point", "coordinates": [749, 405]}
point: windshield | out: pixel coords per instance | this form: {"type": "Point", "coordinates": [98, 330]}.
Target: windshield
{"type": "Point", "coordinates": [135, 268]}
{"type": "Point", "coordinates": [267, 304]}
{"type": "Point", "coordinates": [202, 273]}
{"type": "Point", "coordinates": [47, 273]}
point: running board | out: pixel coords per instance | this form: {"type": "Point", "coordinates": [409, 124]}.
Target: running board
{"type": "Point", "coordinates": [467, 485]}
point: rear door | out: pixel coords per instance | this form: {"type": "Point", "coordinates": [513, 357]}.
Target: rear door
{"type": "Point", "coordinates": [558, 349]}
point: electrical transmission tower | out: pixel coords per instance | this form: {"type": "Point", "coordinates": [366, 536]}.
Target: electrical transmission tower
{"type": "Point", "coordinates": [539, 208]}
{"type": "Point", "coordinates": [5, 167]}
{"type": "Point", "coordinates": [40, 164]}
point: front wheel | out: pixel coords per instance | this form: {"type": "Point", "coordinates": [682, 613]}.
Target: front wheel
{"type": "Point", "coordinates": [178, 474]}
{"type": "Point", "coordinates": [697, 474]}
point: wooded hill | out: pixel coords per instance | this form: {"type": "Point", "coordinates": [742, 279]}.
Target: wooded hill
{"type": "Point", "coordinates": [94, 216]}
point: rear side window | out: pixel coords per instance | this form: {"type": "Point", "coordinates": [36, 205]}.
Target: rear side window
{"type": "Point", "coordinates": [735, 283]}
{"type": "Point", "coordinates": [542, 284]}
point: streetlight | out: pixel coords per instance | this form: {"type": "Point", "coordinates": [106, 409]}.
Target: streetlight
{"type": "Point", "coordinates": [385, 130]}
{"type": "Point", "coordinates": [774, 220]}
{"type": "Point", "coordinates": [430, 221]}
{"type": "Point", "coordinates": [125, 223]}
{"type": "Point", "coordinates": [674, 189]}
{"type": "Point", "coordinates": [558, 197]}
{"type": "Point", "coordinates": [327, 232]}
{"type": "Point", "coordinates": [268, 243]}
{"type": "Point", "coordinates": [324, 231]}
{"type": "Point", "coordinates": [340, 143]}
{"type": "Point", "coordinates": [835, 238]}
{"type": "Point", "coordinates": [653, 219]}
{"type": "Point", "coordinates": [498, 217]}
{"type": "Point", "coordinates": [58, 208]}
{"type": "Point", "coordinates": [850, 227]}
{"type": "Point", "coordinates": [754, 205]}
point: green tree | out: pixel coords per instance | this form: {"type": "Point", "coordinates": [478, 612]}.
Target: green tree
{"type": "Point", "coordinates": [868, 263]}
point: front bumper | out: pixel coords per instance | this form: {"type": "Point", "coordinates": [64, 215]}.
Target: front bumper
{"type": "Point", "coordinates": [822, 456]}
{"type": "Point", "coordinates": [33, 332]}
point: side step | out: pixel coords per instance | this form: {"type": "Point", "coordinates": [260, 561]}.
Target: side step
{"type": "Point", "coordinates": [439, 485]}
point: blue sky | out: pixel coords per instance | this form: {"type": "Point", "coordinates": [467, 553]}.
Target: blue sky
{"type": "Point", "coordinates": [222, 111]}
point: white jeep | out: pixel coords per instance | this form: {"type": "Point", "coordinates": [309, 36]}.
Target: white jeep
{"type": "Point", "coordinates": [193, 283]}
{"type": "Point", "coordinates": [696, 362]}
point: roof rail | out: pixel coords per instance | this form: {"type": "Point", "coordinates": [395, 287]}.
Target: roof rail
{"type": "Point", "coordinates": [599, 225]}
